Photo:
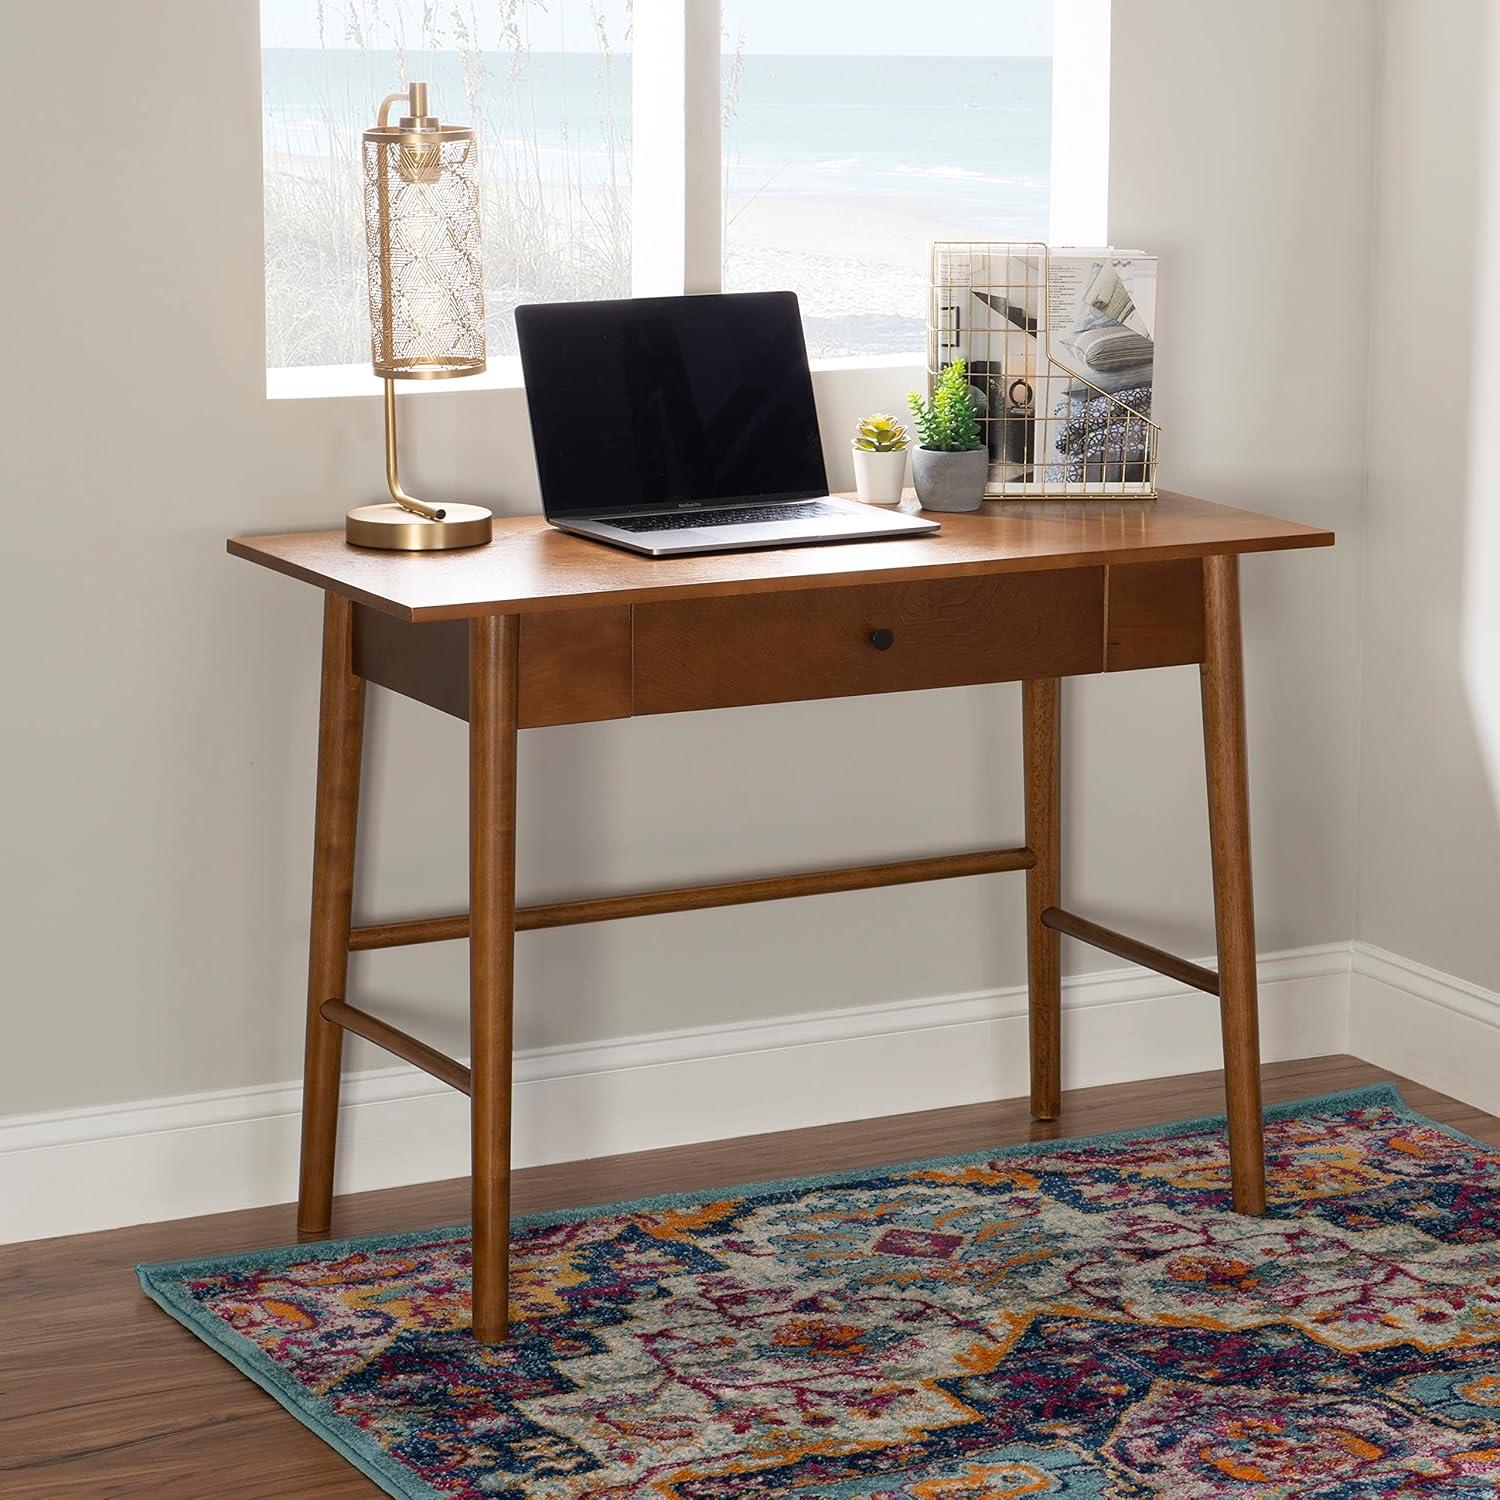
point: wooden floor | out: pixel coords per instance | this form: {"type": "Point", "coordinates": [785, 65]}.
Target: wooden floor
{"type": "Point", "coordinates": [102, 1394]}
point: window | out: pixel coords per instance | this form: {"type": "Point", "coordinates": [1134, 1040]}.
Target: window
{"type": "Point", "coordinates": [845, 137]}
{"type": "Point", "coordinates": [857, 133]}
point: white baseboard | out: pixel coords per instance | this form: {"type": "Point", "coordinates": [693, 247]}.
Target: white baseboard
{"type": "Point", "coordinates": [70, 1172]}
{"type": "Point", "coordinates": [1426, 1025]}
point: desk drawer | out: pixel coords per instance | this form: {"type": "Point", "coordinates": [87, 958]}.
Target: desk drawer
{"type": "Point", "coordinates": [822, 643]}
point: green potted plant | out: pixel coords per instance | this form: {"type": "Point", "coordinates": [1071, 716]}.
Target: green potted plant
{"type": "Point", "coordinates": [880, 446]}
{"type": "Point", "coordinates": [950, 467]}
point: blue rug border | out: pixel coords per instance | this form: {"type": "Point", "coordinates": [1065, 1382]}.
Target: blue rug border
{"type": "Point", "coordinates": [161, 1281]}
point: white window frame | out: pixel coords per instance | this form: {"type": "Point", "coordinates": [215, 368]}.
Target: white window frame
{"type": "Point", "coordinates": [1078, 212]}
{"type": "Point", "coordinates": [677, 186]}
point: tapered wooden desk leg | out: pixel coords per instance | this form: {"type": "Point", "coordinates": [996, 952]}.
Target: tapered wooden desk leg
{"type": "Point", "coordinates": [494, 660]}
{"type": "Point", "coordinates": [1041, 702]}
{"type": "Point", "coordinates": [1234, 912]}
{"type": "Point", "coordinates": [341, 719]}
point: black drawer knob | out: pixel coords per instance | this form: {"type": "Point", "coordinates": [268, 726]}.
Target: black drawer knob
{"type": "Point", "coordinates": [882, 640]}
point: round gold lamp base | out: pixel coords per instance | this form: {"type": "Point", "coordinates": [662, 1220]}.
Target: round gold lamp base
{"type": "Point", "coordinates": [396, 529]}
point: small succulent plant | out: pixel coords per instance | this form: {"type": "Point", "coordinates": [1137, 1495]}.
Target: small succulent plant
{"type": "Point", "coordinates": [880, 433]}
{"type": "Point", "coordinates": [947, 422]}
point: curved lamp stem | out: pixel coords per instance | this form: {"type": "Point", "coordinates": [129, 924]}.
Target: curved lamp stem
{"type": "Point", "coordinates": [392, 474]}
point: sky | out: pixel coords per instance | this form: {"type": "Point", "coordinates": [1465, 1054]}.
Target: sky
{"type": "Point", "coordinates": [988, 28]}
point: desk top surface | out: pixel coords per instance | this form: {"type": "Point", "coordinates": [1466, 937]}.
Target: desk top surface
{"type": "Point", "coordinates": [531, 567]}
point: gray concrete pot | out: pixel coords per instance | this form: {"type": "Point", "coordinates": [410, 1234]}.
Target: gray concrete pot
{"type": "Point", "coordinates": [949, 481]}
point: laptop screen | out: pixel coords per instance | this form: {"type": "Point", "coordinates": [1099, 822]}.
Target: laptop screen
{"type": "Point", "coordinates": [670, 402]}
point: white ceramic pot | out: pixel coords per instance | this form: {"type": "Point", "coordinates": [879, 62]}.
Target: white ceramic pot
{"type": "Point", "coordinates": [879, 478]}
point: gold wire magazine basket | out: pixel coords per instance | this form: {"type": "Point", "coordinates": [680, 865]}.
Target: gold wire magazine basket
{"type": "Point", "coordinates": [1060, 350]}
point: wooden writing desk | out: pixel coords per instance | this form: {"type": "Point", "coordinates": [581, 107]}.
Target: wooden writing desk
{"type": "Point", "coordinates": [544, 628]}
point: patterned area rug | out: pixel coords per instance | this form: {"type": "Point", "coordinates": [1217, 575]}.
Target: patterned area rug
{"type": "Point", "coordinates": [1073, 1319]}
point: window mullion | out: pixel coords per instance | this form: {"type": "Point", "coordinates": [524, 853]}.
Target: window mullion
{"type": "Point", "coordinates": [676, 233]}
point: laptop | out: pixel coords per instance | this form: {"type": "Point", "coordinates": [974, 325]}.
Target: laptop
{"type": "Point", "coordinates": [684, 424]}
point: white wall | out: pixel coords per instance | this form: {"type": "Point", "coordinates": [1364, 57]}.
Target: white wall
{"type": "Point", "coordinates": [1429, 875]}
{"type": "Point", "coordinates": [159, 713]}
{"type": "Point", "coordinates": [1240, 151]}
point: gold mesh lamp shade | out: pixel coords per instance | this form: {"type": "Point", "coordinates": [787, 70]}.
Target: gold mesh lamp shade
{"type": "Point", "coordinates": [421, 187]}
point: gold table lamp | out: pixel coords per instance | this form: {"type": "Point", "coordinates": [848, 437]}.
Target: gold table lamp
{"type": "Point", "coordinates": [426, 300]}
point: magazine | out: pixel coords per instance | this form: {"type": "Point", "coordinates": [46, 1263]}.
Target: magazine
{"type": "Point", "coordinates": [1060, 347]}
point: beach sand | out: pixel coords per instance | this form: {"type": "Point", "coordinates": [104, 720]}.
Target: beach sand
{"type": "Point", "coordinates": [859, 265]}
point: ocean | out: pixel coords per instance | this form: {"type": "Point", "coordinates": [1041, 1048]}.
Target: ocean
{"type": "Point", "coordinates": [971, 132]}
{"type": "Point", "coordinates": [968, 136]}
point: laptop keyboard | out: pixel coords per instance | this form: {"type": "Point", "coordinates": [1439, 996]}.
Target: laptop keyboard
{"type": "Point", "coordinates": [682, 520]}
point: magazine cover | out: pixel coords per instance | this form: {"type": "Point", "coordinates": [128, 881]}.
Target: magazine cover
{"type": "Point", "coordinates": [1060, 349]}
{"type": "Point", "coordinates": [1101, 331]}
